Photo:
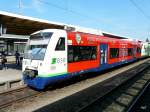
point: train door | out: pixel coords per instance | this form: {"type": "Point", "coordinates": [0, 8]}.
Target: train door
{"type": "Point", "coordinates": [123, 53]}
{"type": "Point", "coordinates": [103, 53]}
{"type": "Point", "coordinates": [134, 51]}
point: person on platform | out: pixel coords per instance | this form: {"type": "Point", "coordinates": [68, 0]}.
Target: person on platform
{"type": "Point", "coordinates": [17, 55]}
{"type": "Point", "coordinates": [3, 60]}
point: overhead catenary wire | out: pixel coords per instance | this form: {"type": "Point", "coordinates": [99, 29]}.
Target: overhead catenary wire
{"type": "Point", "coordinates": [63, 8]}
{"type": "Point", "coordinates": [71, 11]}
{"type": "Point", "coordinates": [140, 9]}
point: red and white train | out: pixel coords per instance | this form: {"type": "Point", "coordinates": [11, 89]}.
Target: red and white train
{"type": "Point", "coordinates": [53, 54]}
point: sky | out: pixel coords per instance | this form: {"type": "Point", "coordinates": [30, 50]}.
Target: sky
{"type": "Point", "coordinates": [120, 17]}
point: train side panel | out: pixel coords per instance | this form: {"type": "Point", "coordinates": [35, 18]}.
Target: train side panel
{"type": "Point", "coordinates": [83, 52]}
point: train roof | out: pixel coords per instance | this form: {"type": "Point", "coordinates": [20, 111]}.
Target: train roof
{"type": "Point", "coordinates": [113, 36]}
{"type": "Point", "coordinates": [88, 30]}
{"type": "Point", "coordinates": [93, 31]}
{"type": "Point", "coordinates": [47, 30]}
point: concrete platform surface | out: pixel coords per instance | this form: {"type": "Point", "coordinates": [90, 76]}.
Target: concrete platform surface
{"type": "Point", "coordinates": [10, 77]}
{"type": "Point", "coordinates": [10, 74]}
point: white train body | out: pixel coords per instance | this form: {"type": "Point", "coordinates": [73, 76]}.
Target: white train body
{"type": "Point", "coordinates": [37, 55]}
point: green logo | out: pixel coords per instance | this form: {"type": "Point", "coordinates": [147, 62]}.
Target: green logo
{"type": "Point", "coordinates": [53, 61]}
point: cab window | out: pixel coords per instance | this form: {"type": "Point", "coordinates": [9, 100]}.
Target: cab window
{"type": "Point", "coordinates": [60, 44]}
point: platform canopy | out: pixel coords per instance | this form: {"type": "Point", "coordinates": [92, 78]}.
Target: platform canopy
{"type": "Point", "coordinates": [12, 37]}
{"type": "Point", "coordinates": [23, 25]}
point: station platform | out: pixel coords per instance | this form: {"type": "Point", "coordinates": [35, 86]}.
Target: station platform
{"type": "Point", "coordinates": [11, 77]}
{"type": "Point", "coordinates": [11, 73]}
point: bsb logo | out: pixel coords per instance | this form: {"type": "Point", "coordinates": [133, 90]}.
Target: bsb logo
{"type": "Point", "coordinates": [58, 60]}
{"type": "Point", "coordinates": [78, 38]}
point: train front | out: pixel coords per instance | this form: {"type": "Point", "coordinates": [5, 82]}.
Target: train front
{"type": "Point", "coordinates": [34, 59]}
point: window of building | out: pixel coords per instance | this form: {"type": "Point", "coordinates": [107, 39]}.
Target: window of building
{"type": "Point", "coordinates": [114, 52]}
{"type": "Point", "coordinates": [60, 44]}
{"type": "Point", "coordinates": [130, 51]}
{"type": "Point", "coordinates": [81, 53]}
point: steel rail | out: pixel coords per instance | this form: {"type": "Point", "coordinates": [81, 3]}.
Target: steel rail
{"type": "Point", "coordinates": [138, 97]}
{"type": "Point", "coordinates": [95, 100]}
{"type": "Point", "coordinates": [7, 102]}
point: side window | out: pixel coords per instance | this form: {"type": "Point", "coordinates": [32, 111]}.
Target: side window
{"type": "Point", "coordinates": [130, 51]}
{"type": "Point", "coordinates": [114, 52]}
{"type": "Point", "coordinates": [70, 53]}
{"type": "Point", "coordinates": [60, 44]}
{"type": "Point", "coordinates": [81, 53]}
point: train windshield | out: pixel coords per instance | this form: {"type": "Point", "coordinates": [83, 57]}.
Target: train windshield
{"type": "Point", "coordinates": [37, 45]}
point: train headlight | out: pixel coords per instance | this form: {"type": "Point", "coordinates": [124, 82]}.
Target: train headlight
{"type": "Point", "coordinates": [30, 73]}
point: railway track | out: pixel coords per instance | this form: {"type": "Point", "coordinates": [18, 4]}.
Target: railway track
{"type": "Point", "coordinates": [142, 102]}
{"type": "Point", "coordinates": [16, 95]}
{"type": "Point", "coordinates": [112, 95]}
{"type": "Point", "coordinates": [11, 97]}
{"type": "Point", "coordinates": [123, 98]}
